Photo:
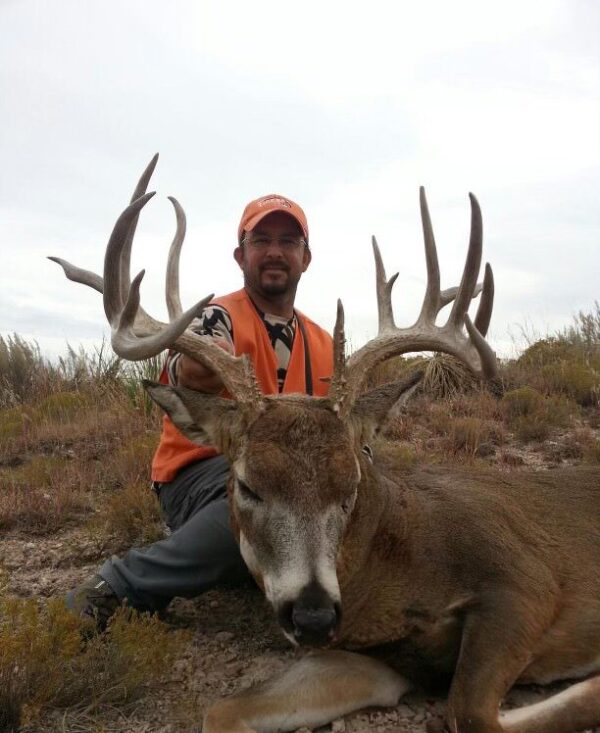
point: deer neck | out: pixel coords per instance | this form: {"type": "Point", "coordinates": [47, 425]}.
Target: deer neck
{"type": "Point", "coordinates": [371, 524]}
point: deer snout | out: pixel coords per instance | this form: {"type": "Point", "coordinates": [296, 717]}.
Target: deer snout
{"type": "Point", "coordinates": [313, 618]}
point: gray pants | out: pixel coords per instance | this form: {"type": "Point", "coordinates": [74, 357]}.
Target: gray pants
{"type": "Point", "coordinates": [201, 551]}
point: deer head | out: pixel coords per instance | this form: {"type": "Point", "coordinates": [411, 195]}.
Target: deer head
{"type": "Point", "coordinates": [298, 463]}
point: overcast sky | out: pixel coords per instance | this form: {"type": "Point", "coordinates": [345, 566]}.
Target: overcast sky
{"type": "Point", "coordinates": [345, 107]}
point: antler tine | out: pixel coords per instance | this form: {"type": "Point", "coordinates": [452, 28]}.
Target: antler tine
{"type": "Point", "coordinates": [172, 282]}
{"type": "Point", "coordinates": [487, 357]}
{"type": "Point", "coordinates": [470, 347]}
{"type": "Point", "coordinates": [431, 302]}
{"type": "Point", "coordinates": [486, 304]}
{"type": "Point", "coordinates": [472, 265]}
{"type": "Point", "coordinates": [384, 292]}
{"type": "Point", "coordinates": [91, 279]}
{"type": "Point", "coordinates": [138, 192]}
{"type": "Point", "coordinates": [115, 290]}
{"type": "Point", "coordinates": [338, 381]}
{"type": "Point", "coordinates": [448, 295]}
{"type": "Point", "coordinates": [78, 275]}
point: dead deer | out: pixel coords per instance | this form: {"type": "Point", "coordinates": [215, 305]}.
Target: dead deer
{"type": "Point", "coordinates": [444, 576]}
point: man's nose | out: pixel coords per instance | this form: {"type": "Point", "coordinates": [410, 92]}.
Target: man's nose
{"type": "Point", "coordinates": [274, 245]}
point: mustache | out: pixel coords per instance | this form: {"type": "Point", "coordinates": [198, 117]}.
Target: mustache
{"type": "Point", "coordinates": [274, 265]}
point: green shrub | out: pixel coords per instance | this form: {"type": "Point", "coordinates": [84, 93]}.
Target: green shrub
{"type": "Point", "coordinates": [566, 365]}
{"type": "Point", "coordinates": [521, 401]}
{"type": "Point", "coordinates": [46, 662]}
{"type": "Point", "coordinates": [573, 379]}
{"type": "Point", "coordinates": [532, 416]}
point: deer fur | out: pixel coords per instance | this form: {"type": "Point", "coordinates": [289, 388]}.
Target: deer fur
{"type": "Point", "coordinates": [444, 576]}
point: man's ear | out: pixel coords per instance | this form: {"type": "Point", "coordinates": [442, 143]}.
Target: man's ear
{"type": "Point", "coordinates": [204, 419]}
{"type": "Point", "coordinates": [306, 258]}
{"type": "Point", "coordinates": [238, 255]}
{"type": "Point", "coordinates": [377, 405]}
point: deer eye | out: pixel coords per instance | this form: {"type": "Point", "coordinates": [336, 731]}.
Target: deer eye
{"type": "Point", "coordinates": [247, 493]}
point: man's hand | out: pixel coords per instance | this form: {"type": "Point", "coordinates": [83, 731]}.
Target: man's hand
{"type": "Point", "coordinates": [194, 375]}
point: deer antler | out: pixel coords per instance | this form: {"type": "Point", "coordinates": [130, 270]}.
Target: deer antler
{"type": "Point", "coordinates": [471, 347]}
{"type": "Point", "coordinates": [134, 334]}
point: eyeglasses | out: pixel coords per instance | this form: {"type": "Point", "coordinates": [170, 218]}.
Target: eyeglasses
{"type": "Point", "coordinates": [288, 244]}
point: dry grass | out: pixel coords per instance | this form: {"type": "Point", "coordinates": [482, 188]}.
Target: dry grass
{"type": "Point", "coordinates": [43, 494]}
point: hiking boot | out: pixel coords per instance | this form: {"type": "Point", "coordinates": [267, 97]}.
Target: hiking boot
{"type": "Point", "coordinates": [94, 599]}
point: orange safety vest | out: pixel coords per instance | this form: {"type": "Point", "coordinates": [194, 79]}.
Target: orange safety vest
{"type": "Point", "coordinates": [250, 337]}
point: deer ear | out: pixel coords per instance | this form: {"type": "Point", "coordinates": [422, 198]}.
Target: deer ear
{"type": "Point", "coordinates": [377, 405]}
{"type": "Point", "coordinates": [204, 419]}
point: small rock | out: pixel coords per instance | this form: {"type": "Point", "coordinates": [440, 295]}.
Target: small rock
{"type": "Point", "coordinates": [338, 726]}
{"type": "Point", "coordinates": [224, 636]}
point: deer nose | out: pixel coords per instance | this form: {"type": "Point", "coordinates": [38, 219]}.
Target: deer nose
{"type": "Point", "coordinates": [313, 618]}
{"type": "Point", "coordinates": [314, 625]}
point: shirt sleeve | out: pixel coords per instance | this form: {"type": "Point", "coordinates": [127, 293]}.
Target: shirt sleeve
{"type": "Point", "coordinates": [215, 321]}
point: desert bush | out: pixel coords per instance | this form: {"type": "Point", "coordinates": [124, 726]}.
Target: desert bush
{"type": "Point", "coordinates": [574, 379]}
{"type": "Point", "coordinates": [568, 364]}
{"type": "Point", "coordinates": [45, 660]}
{"type": "Point", "coordinates": [472, 436]}
{"type": "Point", "coordinates": [477, 403]}
{"type": "Point", "coordinates": [445, 376]}
{"type": "Point", "coordinates": [521, 402]}
{"type": "Point", "coordinates": [591, 452]}
{"type": "Point", "coordinates": [129, 516]}
{"type": "Point", "coordinates": [532, 415]}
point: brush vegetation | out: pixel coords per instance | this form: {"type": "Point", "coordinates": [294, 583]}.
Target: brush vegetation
{"type": "Point", "coordinates": [76, 441]}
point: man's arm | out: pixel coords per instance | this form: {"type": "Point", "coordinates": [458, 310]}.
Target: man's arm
{"type": "Point", "coordinates": [187, 372]}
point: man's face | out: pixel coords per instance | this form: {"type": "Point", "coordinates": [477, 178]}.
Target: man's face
{"type": "Point", "coordinates": [273, 255]}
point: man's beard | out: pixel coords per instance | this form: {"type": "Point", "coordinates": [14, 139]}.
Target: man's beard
{"type": "Point", "coordinates": [276, 287]}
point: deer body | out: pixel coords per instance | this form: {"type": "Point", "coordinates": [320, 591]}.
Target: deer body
{"type": "Point", "coordinates": [449, 541]}
{"type": "Point", "coordinates": [442, 576]}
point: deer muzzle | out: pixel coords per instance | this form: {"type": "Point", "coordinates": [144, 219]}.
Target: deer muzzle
{"type": "Point", "coordinates": [313, 618]}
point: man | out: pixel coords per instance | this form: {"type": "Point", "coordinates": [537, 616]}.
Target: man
{"type": "Point", "coordinates": [290, 353]}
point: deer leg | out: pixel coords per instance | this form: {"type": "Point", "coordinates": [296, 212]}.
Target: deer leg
{"type": "Point", "coordinates": [311, 692]}
{"type": "Point", "coordinates": [575, 709]}
{"type": "Point", "coordinates": [495, 648]}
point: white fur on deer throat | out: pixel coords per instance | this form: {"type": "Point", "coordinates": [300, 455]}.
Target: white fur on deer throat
{"type": "Point", "coordinates": [308, 560]}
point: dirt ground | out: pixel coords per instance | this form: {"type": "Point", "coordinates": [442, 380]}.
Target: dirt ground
{"type": "Point", "coordinates": [234, 643]}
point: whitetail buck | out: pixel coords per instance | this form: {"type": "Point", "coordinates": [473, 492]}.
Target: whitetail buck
{"type": "Point", "coordinates": [448, 576]}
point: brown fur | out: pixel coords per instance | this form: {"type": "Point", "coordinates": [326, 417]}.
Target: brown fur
{"type": "Point", "coordinates": [465, 576]}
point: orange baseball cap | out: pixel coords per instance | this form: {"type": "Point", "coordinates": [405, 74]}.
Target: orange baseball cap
{"type": "Point", "coordinates": [265, 205]}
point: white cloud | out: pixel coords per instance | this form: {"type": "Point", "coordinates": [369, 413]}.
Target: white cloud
{"type": "Point", "coordinates": [345, 109]}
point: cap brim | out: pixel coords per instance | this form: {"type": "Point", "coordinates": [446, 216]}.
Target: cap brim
{"type": "Point", "coordinates": [257, 218]}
